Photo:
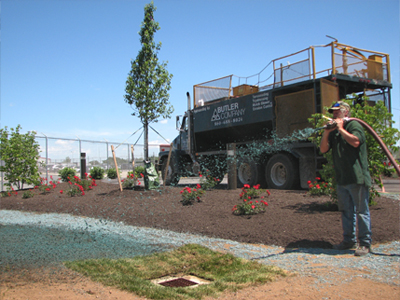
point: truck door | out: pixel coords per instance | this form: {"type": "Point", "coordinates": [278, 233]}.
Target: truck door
{"type": "Point", "coordinates": [183, 134]}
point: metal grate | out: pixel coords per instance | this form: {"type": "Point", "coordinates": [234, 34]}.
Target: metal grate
{"type": "Point", "coordinates": [178, 282]}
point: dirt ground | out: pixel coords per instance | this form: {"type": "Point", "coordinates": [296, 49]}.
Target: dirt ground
{"type": "Point", "coordinates": [293, 219]}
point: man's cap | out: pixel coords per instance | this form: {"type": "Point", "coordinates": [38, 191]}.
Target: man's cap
{"type": "Point", "coordinates": [338, 105]}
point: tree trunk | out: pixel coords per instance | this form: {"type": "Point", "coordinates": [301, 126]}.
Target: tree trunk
{"type": "Point", "coordinates": [146, 141]}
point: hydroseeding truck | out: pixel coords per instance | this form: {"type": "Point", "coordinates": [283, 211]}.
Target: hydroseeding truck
{"type": "Point", "coordinates": [248, 111]}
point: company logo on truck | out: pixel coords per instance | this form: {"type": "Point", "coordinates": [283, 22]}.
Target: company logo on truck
{"type": "Point", "coordinates": [228, 113]}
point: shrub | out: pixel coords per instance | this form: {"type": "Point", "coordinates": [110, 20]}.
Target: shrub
{"type": "Point", "coordinates": [97, 173]}
{"type": "Point", "coordinates": [207, 181]}
{"type": "Point", "coordinates": [66, 173]}
{"type": "Point", "coordinates": [45, 186]}
{"type": "Point", "coordinates": [78, 186]}
{"type": "Point", "coordinates": [130, 181]}
{"type": "Point", "coordinates": [20, 156]}
{"type": "Point", "coordinates": [319, 188]}
{"type": "Point", "coordinates": [9, 192]}
{"type": "Point", "coordinates": [250, 206]}
{"type": "Point", "coordinates": [27, 194]}
{"type": "Point", "coordinates": [139, 171]}
{"type": "Point", "coordinates": [189, 195]}
{"type": "Point", "coordinates": [112, 173]}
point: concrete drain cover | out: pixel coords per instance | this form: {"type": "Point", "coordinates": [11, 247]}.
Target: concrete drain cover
{"type": "Point", "coordinates": [182, 281]}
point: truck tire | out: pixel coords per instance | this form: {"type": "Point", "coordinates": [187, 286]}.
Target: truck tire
{"type": "Point", "coordinates": [282, 172]}
{"type": "Point", "coordinates": [172, 174]}
{"type": "Point", "coordinates": [248, 172]}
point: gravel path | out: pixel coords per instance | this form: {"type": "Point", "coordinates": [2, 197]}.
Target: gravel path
{"type": "Point", "coordinates": [29, 239]}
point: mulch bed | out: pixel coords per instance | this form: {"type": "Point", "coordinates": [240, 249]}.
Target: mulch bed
{"type": "Point", "coordinates": [292, 218]}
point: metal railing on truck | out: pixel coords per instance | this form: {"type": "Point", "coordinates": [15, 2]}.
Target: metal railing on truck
{"type": "Point", "coordinates": [310, 63]}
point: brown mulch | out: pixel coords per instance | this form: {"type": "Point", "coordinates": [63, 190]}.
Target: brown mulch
{"type": "Point", "coordinates": [292, 218]}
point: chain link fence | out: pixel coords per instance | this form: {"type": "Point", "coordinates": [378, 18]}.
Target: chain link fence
{"type": "Point", "coordinates": [57, 153]}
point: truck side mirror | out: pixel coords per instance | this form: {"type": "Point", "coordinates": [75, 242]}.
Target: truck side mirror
{"type": "Point", "coordinates": [178, 123]}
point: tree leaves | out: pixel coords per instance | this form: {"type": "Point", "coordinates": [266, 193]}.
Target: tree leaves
{"type": "Point", "coordinates": [148, 82]}
{"type": "Point", "coordinates": [20, 153]}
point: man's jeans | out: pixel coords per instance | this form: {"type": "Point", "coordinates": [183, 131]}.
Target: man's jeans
{"type": "Point", "coordinates": [353, 203]}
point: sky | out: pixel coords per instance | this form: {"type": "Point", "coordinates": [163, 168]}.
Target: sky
{"type": "Point", "coordinates": [64, 63]}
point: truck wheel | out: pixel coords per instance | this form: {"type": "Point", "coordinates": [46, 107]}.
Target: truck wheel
{"type": "Point", "coordinates": [248, 172]}
{"type": "Point", "coordinates": [282, 172]}
{"type": "Point", "coordinates": [172, 175]}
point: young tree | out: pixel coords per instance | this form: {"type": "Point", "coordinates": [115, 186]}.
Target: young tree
{"type": "Point", "coordinates": [148, 82]}
{"type": "Point", "coordinates": [20, 153]}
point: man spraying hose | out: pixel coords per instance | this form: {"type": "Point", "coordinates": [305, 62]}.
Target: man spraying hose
{"type": "Point", "coordinates": [349, 152]}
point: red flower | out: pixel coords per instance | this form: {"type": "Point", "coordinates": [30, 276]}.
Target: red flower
{"type": "Point", "coordinates": [253, 206]}
{"type": "Point", "coordinates": [309, 182]}
{"type": "Point", "coordinates": [141, 174]}
{"type": "Point", "coordinates": [318, 187]}
{"type": "Point", "coordinates": [83, 193]}
{"type": "Point", "coordinates": [61, 191]}
{"type": "Point", "coordinates": [198, 186]}
{"type": "Point", "coordinates": [246, 186]}
{"type": "Point", "coordinates": [317, 178]}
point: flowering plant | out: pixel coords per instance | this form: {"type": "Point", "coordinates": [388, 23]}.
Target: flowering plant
{"type": "Point", "coordinates": [250, 206]}
{"type": "Point", "coordinates": [249, 192]}
{"type": "Point", "coordinates": [9, 192]}
{"type": "Point", "coordinates": [27, 194]}
{"type": "Point", "coordinates": [189, 195]}
{"type": "Point", "coordinates": [207, 181]}
{"type": "Point", "coordinates": [45, 186]}
{"type": "Point", "coordinates": [131, 180]}
{"type": "Point", "coordinates": [79, 186]}
{"type": "Point", "coordinates": [319, 188]}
